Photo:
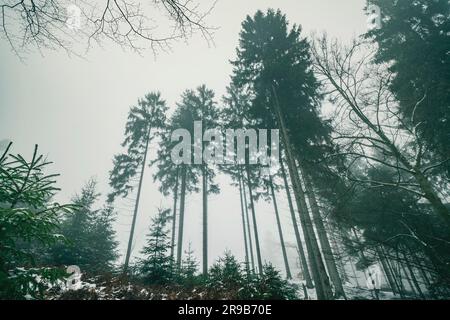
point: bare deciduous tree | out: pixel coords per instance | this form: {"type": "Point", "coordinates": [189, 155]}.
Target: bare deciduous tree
{"type": "Point", "coordinates": [43, 24]}
{"type": "Point", "coordinates": [368, 124]}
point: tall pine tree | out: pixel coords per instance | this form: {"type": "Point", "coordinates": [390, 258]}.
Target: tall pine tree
{"type": "Point", "coordinates": [150, 113]}
{"type": "Point", "coordinates": [273, 62]}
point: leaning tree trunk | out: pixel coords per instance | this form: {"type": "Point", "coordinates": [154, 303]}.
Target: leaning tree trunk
{"type": "Point", "coordinates": [336, 249]}
{"type": "Point", "coordinates": [352, 266]}
{"type": "Point", "coordinates": [280, 231]}
{"type": "Point", "coordinates": [321, 280]}
{"type": "Point", "coordinates": [423, 273]}
{"type": "Point", "coordinates": [249, 230]}
{"type": "Point", "coordinates": [301, 251]}
{"type": "Point", "coordinates": [424, 184]}
{"type": "Point", "coordinates": [431, 195]}
{"type": "Point", "coordinates": [395, 276]}
{"type": "Point", "coordinates": [136, 206]}
{"type": "Point", "coordinates": [174, 216]}
{"type": "Point", "coordinates": [398, 271]}
{"type": "Point", "coordinates": [427, 188]}
{"type": "Point", "coordinates": [365, 262]}
{"type": "Point", "coordinates": [205, 219]}
{"type": "Point", "coordinates": [408, 279]}
{"type": "Point", "coordinates": [252, 207]}
{"type": "Point", "coordinates": [181, 224]}
{"type": "Point", "coordinates": [413, 277]}
{"type": "Point", "coordinates": [247, 262]}
{"type": "Point", "coordinates": [387, 272]}
{"type": "Point", "coordinates": [323, 237]}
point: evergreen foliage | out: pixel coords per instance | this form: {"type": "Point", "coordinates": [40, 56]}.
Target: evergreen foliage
{"type": "Point", "coordinates": [91, 241]}
{"type": "Point", "coordinates": [156, 267]}
{"type": "Point", "coordinates": [28, 217]}
{"type": "Point", "coordinates": [414, 40]}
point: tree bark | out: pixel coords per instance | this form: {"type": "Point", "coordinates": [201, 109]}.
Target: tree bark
{"type": "Point", "coordinates": [247, 262]}
{"type": "Point", "coordinates": [336, 249]}
{"type": "Point", "coordinates": [136, 206]}
{"type": "Point", "coordinates": [255, 228]}
{"type": "Point", "coordinates": [181, 224]}
{"type": "Point", "coordinates": [420, 266]}
{"type": "Point", "coordinates": [174, 216]}
{"type": "Point", "coordinates": [352, 266]}
{"type": "Point", "coordinates": [321, 280]}
{"type": "Point", "coordinates": [205, 219]}
{"type": "Point", "coordinates": [301, 251]}
{"type": "Point", "coordinates": [423, 273]}
{"type": "Point", "coordinates": [249, 231]}
{"type": "Point", "coordinates": [408, 279]}
{"type": "Point", "coordinates": [280, 231]}
{"type": "Point", "coordinates": [323, 237]}
{"type": "Point", "coordinates": [398, 282]}
{"type": "Point", "coordinates": [413, 277]}
{"type": "Point", "coordinates": [387, 272]}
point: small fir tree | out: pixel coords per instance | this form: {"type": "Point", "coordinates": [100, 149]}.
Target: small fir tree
{"type": "Point", "coordinates": [157, 266]}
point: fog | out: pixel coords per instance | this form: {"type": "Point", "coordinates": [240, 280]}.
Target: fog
{"type": "Point", "coordinates": [75, 110]}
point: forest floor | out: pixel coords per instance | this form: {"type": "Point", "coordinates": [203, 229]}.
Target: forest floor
{"type": "Point", "coordinates": [117, 288]}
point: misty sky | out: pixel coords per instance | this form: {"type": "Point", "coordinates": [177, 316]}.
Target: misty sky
{"type": "Point", "coordinates": [76, 111]}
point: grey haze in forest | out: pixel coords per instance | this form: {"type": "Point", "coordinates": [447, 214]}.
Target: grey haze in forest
{"type": "Point", "coordinates": [224, 150]}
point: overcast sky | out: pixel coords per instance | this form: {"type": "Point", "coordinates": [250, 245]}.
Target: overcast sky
{"type": "Point", "coordinates": [76, 110]}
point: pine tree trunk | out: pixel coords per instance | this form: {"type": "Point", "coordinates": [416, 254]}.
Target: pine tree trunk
{"type": "Point", "coordinates": [255, 227]}
{"type": "Point", "coordinates": [413, 277]}
{"type": "Point", "coordinates": [181, 224]}
{"type": "Point", "coordinates": [205, 220]}
{"type": "Point", "coordinates": [400, 288]}
{"type": "Point", "coordinates": [352, 266]}
{"type": "Point", "coordinates": [323, 237]}
{"type": "Point", "coordinates": [397, 271]}
{"type": "Point", "coordinates": [361, 250]}
{"type": "Point", "coordinates": [408, 279]}
{"type": "Point", "coordinates": [301, 251]}
{"type": "Point", "coordinates": [336, 249]}
{"type": "Point", "coordinates": [321, 280]}
{"type": "Point", "coordinates": [365, 261]}
{"type": "Point", "coordinates": [249, 230]}
{"type": "Point", "coordinates": [398, 282]}
{"type": "Point", "coordinates": [280, 231]}
{"type": "Point", "coordinates": [334, 235]}
{"type": "Point", "coordinates": [136, 206]}
{"type": "Point", "coordinates": [247, 262]}
{"type": "Point", "coordinates": [422, 271]}
{"type": "Point", "coordinates": [174, 216]}
{"type": "Point", "coordinates": [423, 274]}
{"type": "Point", "coordinates": [387, 272]}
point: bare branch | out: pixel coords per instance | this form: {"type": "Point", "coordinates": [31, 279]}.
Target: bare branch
{"type": "Point", "coordinates": [133, 24]}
